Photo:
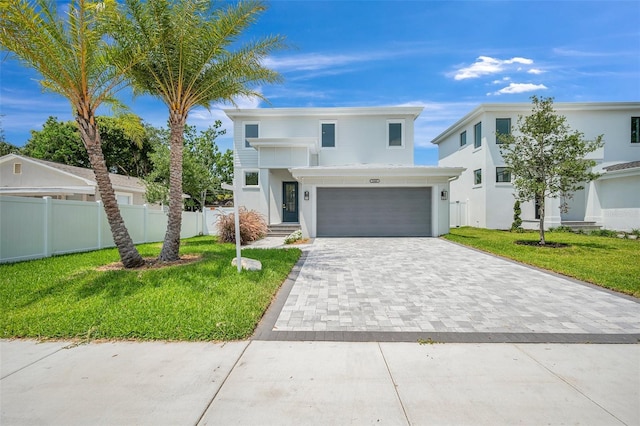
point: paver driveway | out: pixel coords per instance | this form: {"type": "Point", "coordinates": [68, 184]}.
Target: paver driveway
{"type": "Point", "coordinates": [432, 285]}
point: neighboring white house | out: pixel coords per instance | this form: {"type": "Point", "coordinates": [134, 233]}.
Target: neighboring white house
{"type": "Point", "coordinates": [483, 196]}
{"type": "Point", "coordinates": [339, 171]}
{"type": "Point", "coordinates": [30, 177]}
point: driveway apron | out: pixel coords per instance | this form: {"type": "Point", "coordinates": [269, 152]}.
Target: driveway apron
{"type": "Point", "coordinates": [430, 285]}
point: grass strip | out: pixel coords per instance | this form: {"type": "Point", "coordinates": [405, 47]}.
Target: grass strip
{"type": "Point", "coordinates": [608, 262]}
{"type": "Point", "coordinates": [67, 297]}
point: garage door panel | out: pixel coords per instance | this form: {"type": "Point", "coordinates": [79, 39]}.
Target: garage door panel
{"type": "Point", "coordinates": [356, 212]}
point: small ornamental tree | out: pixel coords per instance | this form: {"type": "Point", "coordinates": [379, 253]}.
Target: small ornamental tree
{"type": "Point", "coordinates": [546, 158]}
{"type": "Point", "coordinates": [516, 226]}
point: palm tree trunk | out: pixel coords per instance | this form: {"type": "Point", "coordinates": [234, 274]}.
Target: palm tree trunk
{"type": "Point", "coordinates": [91, 138]}
{"type": "Point", "coordinates": [171, 246]}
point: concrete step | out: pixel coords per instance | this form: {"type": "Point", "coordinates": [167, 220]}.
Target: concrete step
{"type": "Point", "coordinates": [282, 229]}
{"type": "Point", "coordinates": [581, 225]}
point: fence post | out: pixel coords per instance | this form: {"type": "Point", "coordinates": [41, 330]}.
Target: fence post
{"type": "Point", "coordinates": [99, 209]}
{"type": "Point", "coordinates": [145, 222]}
{"type": "Point", "coordinates": [48, 231]}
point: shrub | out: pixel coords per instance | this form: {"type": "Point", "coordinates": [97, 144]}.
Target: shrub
{"type": "Point", "coordinates": [517, 221]}
{"type": "Point", "coordinates": [252, 227]}
{"type": "Point", "coordinates": [293, 237]}
{"type": "Point", "coordinates": [604, 233]}
{"type": "Point", "coordinates": [563, 228]}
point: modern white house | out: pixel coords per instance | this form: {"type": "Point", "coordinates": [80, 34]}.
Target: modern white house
{"type": "Point", "coordinates": [31, 177]}
{"type": "Point", "coordinates": [339, 171]}
{"type": "Point", "coordinates": [483, 195]}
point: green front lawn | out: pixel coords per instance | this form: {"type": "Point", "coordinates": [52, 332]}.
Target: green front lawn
{"type": "Point", "coordinates": [67, 297]}
{"type": "Point", "coordinates": [609, 262]}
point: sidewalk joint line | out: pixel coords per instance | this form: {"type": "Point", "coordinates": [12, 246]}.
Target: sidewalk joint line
{"type": "Point", "coordinates": [569, 384]}
{"type": "Point", "coordinates": [38, 360]}
{"type": "Point", "coordinates": [395, 385]}
{"type": "Point", "coordinates": [221, 385]}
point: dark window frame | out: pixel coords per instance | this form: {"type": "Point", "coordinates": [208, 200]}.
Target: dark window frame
{"type": "Point", "coordinates": [501, 172]}
{"type": "Point", "coordinates": [322, 133]}
{"type": "Point", "coordinates": [257, 133]}
{"type": "Point", "coordinates": [257, 178]}
{"type": "Point", "coordinates": [508, 120]}
{"type": "Point", "coordinates": [477, 135]}
{"type": "Point", "coordinates": [391, 134]}
{"type": "Point", "coordinates": [463, 138]}
{"type": "Point", "coordinates": [635, 129]}
{"type": "Point", "coordinates": [477, 177]}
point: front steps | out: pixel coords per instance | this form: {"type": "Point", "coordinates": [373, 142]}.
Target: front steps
{"type": "Point", "coordinates": [579, 225]}
{"type": "Point", "coordinates": [282, 229]}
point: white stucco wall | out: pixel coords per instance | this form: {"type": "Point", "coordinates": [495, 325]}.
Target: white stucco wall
{"type": "Point", "coordinates": [490, 204]}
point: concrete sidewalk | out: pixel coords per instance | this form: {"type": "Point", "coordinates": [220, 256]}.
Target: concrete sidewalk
{"type": "Point", "coordinates": [276, 383]}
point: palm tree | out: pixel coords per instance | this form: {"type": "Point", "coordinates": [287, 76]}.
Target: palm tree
{"type": "Point", "coordinates": [74, 61]}
{"type": "Point", "coordinates": [188, 63]}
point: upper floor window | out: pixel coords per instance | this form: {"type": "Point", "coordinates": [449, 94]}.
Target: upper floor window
{"type": "Point", "coordinates": [503, 127]}
{"type": "Point", "coordinates": [477, 177]}
{"type": "Point", "coordinates": [635, 129]}
{"type": "Point", "coordinates": [17, 168]}
{"type": "Point", "coordinates": [477, 135]}
{"type": "Point", "coordinates": [250, 131]}
{"type": "Point", "coordinates": [251, 178]}
{"type": "Point", "coordinates": [395, 134]}
{"type": "Point", "coordinates": [328, 134]}
{"type": "Point", "coordinates": [463, 138]}
{"type": "Point", "coordinates": [503, 174]}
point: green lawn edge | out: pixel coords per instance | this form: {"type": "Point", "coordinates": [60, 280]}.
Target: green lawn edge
{"type": "Point", "coordinates": [66, 297]}
{"type": "Point", "coordinates": [604, 261]}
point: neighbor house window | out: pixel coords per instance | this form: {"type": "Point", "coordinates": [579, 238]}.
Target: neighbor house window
{"type": "Point", "coordinates": [635, 129]}
{"type": "Point", "coordinates": [124, 199]}
{"type": "Point", "coordinates": [251, 178]}
{"type": "Point", "coordinates": [503, 174]}
{"type": "Point", "coordinates": [17, 168]}
{"type": "Point", "coordinates": [395, 135]}
{"type": "Point", "coordinates": [463, 138]}
{"type": "Point", "coordinates": [328, 134]}
{"type": "Point", "coordinates": [503, 127]}
{"type": "Point", "coordinates": [250, 131]}
{"type": "Point", "coordinates": [477, 135]}
{"type": "Point", "coordinates": [477, 177]}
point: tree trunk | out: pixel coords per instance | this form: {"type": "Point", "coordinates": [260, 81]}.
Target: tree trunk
{"type": "Point", "coordinates": [171, 246]}
{"type": "Point", "coordinates": [91, 138]}
{"type": "Point", "coordinates": [541, 212]}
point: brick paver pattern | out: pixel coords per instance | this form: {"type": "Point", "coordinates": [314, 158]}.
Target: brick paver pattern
{"type": "Point", "coordinates": [432, 285]}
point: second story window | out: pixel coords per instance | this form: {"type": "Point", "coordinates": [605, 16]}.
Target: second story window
{"type": "Point", "coordinates": [477, 177]}
{"type": "Point", "coordinates": [463, 138]}
{"type": "Point", "coordinates": [635, 129]}
{"type": "Point", "coordinates": [328, 135]}
{"type": "Point", "coordinates": [477, 135]}
{"type": "Point", "coordinates": [395, 134]}
{"type": "Point", "coordinates": [503, 174]}
{"type": "Point", "coordinates": [503, 127]}
{"type": "Point", "coordinates": [250, 131]}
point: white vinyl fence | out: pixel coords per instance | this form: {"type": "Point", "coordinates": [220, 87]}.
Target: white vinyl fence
{"type": "Point", "coordinates": [32, 228]}
{"type": "Point", "coordinates": [458, 214]}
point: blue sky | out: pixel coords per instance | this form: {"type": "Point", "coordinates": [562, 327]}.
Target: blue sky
{"type": "Point", "coordinates": [448, 57]}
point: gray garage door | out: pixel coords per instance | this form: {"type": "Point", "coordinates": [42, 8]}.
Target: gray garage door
{"type": "Point", "coordinates": [374, 212]}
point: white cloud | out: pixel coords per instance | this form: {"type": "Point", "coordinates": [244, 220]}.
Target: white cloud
{"type": "Point", "coordinates": [520, 88]}
{"type": "Point", "coordinates": [535, 71]}
{"type": "Point", "coordinates": [486, 65]}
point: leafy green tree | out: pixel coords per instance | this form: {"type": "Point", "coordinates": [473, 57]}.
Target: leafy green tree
{"type": "Point", "coordinates": [70, 51]}
{"type": "Point", "coordinates": [125, 144]}
{"type": "Point", "coordinates": [546, 158]}
{"type": "Point", "coordinates": [189, 62]}
{"type": "Point", "coordinates": [204, 166]}
{"type": "Point", "coordinates": [58, 141]}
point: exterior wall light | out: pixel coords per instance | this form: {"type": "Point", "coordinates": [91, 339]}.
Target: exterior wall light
{"type": "Point", "coordinates": [443, 195]}
{"type": "Point", "coordinates": [306, 195]}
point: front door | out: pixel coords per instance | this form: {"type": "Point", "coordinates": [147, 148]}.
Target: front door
{"type": "Point", "coordinates": [290, 202]}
